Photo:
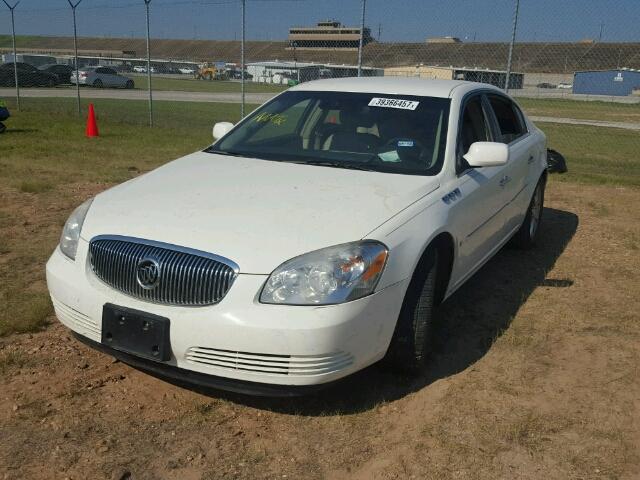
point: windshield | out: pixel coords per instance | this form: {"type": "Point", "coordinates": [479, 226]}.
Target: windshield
{"type": "Point", "coordinates": [365, 131]}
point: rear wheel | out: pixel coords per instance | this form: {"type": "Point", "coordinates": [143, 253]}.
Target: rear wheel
{"type": "Point", "coordinates": [98, 84]}
{"type": "Point", "coordinates": [527, 236]}
{"type": "Point", "coordinates": [51, 83]}
{"type": "Point", "coordinates": [129, 85]}
{"type": "Point", "coordinates": [413, 337]}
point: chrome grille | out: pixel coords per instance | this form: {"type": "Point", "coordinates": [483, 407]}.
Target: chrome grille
{"type": "Point", "coordinates": [186, 277]}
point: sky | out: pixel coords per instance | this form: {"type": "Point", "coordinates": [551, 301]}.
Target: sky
{"type": "Point", "coordinates": [392, 20]}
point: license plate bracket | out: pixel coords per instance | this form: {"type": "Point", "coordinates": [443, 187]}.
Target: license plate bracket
{"type": "Point", "coordinates": [136, 332]}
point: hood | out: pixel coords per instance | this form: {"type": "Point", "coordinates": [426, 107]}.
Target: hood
{"type": "Point", "coordinates": [257, 213]}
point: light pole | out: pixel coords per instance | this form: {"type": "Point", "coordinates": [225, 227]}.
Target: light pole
{"type": "Point", "coordinates": [513, 41]}
{"type": "Point", "coordinates": [364, 6]}
{"type": "Point", "coordinates": [146, 4]}
{"type": "Point", "coordinates": [75, 48]}
{"type": "Point", "coordinates": [15, 55]}
{"type": "Point", "coordinates": [242, 60]}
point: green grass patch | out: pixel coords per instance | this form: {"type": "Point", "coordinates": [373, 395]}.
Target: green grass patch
{"type": "Point", "coordinates": [583, 110]}
{"type": "Point", "coordinates": [23, 311]}
{"type": "Point", "coordinates": [35, 186]}
{"type": "Point", "coordinates": [596, 155]}
{"type": "Point", "coordinates": [189, 84]}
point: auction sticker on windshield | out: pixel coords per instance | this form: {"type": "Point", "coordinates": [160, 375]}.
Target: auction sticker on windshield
{"type": "Point", "coordinates": [394, 103]}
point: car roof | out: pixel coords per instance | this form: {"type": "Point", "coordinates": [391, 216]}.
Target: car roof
{"type": "Point", "coordinates": [395, 86]}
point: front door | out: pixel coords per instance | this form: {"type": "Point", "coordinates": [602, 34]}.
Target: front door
{"type": "Point", "coordinates": [477, 207]}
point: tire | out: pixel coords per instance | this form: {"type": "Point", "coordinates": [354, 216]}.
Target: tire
{"type": "Point", "coordinates": [51, 83]}
{"type": "Point", "coordinates": [527, 236]}
{"type": "Point", "coordinates": [98, 84]}
{"type": "Point", "coordinates": [412, 340]}
{"type": "Point", "coordinates": [129, 85]}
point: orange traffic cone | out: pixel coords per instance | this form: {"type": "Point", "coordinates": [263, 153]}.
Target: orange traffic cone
{"type": "Point", "coordinates": [92, 126]}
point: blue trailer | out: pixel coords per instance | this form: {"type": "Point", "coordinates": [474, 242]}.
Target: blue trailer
{"type": "Point", "coordinates": [619, 82]}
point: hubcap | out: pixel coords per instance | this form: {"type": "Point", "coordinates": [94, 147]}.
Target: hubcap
{"type": "Point", "coordinates": [536, 209]}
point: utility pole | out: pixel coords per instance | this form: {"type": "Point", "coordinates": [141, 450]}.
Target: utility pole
{"type": "Point", "coordinates": [15, 55]}
{"type": "Point", "coordinates": [513, 41]}
{"type": "Point", "coordinates": [601, 31]}
{"type": "Point", "coordinates": [242, 59]}
{"type": "Point", "coordinates": [146, 4]}
{"type": "Point", "coordinates": [75, 49]}
{"type": "Point", "coordinates": [364, 6]}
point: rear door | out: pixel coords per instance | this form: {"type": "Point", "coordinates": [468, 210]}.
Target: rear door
{"type": "Point", "coordinates": [511, 129]}
{"type": "Point", "coordinates": [113, 79]}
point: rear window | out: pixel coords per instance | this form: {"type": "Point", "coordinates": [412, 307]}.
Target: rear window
{"type": "Point", "coordinates": [510, 122]}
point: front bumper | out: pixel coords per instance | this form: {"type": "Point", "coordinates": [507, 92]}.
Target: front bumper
{"type": "Point", "coordinates": [240, 338]}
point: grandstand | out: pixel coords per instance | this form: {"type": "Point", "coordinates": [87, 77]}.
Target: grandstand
{"type": "Point", "coordinates": [528, 57]}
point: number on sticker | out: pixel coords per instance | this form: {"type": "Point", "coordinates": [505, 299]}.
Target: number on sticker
{"type": "Point", "coordinates": [394, 103]}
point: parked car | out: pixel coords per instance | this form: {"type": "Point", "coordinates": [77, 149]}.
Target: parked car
{"type": "Point", "coordinates": [546, 85]}
{"type": "Point", "coordinates": [565, 86]}
{"type": "Point", "coordinates": [293, 253]}
{"type": "Point", "coordinates": [28, 76]}
{"type": "Point", "coordinates": [140, 69]}
{"type": "Point", "coordinates": [237, 75]}
{"type": "Point", "coordinates": [63, 72]}
{"type": "Point", "coordinates": [102, 77]}
{"type": "Point", "coordinates": [187, 70]}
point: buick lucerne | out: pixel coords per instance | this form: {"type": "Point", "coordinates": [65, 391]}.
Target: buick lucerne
{"type": "Point", "coordinates": [312, 239]}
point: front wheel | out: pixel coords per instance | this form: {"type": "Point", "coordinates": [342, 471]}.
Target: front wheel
{"type": "Point", "coordinates": [527, 236]}
{"type": "Point", "coordinates": [129, 85]}
{"type": "Point", "coordinates": [413, 337]}
{"type": "Point", "coordinates": [98, 84]}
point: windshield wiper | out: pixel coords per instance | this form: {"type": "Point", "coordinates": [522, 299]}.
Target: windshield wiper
{"type": "Point", "coordinates": [224, 152]}
{"type": "Point", "coordinates": [329, 163]}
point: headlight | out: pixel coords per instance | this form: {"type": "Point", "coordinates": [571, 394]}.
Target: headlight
{"type": "Point", "coordinates": [71, 231]}
{"type": "Point", "coordinates": [331, 275]}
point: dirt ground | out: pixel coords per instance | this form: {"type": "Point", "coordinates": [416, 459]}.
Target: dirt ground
{"type": "Point", "coordinates": [536, 377]}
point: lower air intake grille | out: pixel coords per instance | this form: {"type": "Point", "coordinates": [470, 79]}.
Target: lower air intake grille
{"type": "Point", "coordinates": [270, 364]}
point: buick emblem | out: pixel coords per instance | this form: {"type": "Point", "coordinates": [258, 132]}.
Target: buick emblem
{"type": "Point", "coordinates": [148, 273]}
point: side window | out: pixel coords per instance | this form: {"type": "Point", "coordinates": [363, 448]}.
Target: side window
{"type": "Point", "coordinates": [473, 129]}
{"type": "Point", "coordinates": [100, 70]}
{"type": "Point", "coordinates": [110, 71]}
{"type": "Point", "coordinates": [509, 122]}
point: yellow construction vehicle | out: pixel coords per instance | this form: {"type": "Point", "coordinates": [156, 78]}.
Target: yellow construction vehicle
{"type": "Point", "coordinates": [211, 71]}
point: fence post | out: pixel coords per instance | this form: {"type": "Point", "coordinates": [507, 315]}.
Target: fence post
{"type": "Point", "coordinates": [75, 48]}
{"type": "Point", "coordinates": [242, 60]}
{"type": "Point", "coordinates": [146, 4]}
{"type": "Point", "coordinates": [364, 6]}
{"type": "Point", "coordinates": [513, 41]}
{"type": "Point", "coordinates": [15, 55]}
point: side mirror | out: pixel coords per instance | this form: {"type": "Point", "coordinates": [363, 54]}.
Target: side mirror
{"type": "Point", "coordinates": [220, 129]}
{"type": "Point", "coordinates": [487, 154]}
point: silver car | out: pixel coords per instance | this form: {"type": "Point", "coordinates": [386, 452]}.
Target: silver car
{"type": "Point", "coordinates": [101, 77]}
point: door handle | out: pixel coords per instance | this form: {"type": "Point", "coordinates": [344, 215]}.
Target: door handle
{"type": "Point", "coordinates": [504, 180]}
{"type": "Point", "coordinates": [531, 159]}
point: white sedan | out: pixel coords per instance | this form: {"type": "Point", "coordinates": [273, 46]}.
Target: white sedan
{"type": "Point", "coordinates": [311, 240]}
{"type": "Point", "coordinates": [101, 77]}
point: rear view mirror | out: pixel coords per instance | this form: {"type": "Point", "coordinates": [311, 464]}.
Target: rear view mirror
{"type": "Point", "coordinates": [487, 154]}
{"type": "Point", "coordinates": [220, 129]}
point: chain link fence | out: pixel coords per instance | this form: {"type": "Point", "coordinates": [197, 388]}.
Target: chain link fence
{"type": "Point", "coordinates": [245, 51]}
